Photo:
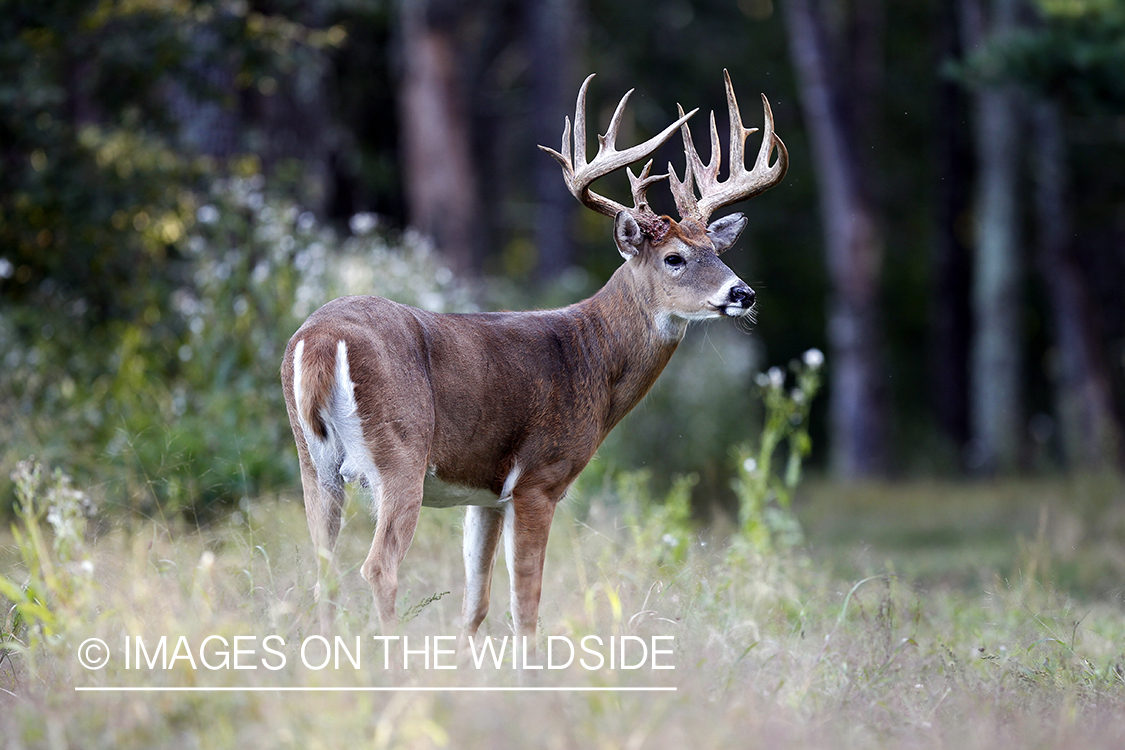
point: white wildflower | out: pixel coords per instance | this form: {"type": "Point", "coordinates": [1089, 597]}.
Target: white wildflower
{"type": "Point", "coordinates": [776, 376]}
{"type": "Point", "coordinates": [814, 358]}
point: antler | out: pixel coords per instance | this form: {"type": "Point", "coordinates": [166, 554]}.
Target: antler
{"type": "Point", "coordinates": [578, 174]}
{"type": "Point", "coordinates": [740, 184]}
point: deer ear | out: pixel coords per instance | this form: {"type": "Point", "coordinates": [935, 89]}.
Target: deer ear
{"type": "Point", "coordinates": [627, 234]}
{"type": "Point", "coordinates": [724, 232]}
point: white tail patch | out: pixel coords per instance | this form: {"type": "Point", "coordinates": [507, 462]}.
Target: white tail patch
{"type": "Point", "coordinates": [298, 366]}
{"type": "Point", "coordinates": [343, 454]}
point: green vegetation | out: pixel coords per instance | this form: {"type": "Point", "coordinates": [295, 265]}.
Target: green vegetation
{"type": "Point", "coordinates": [871, 636]}
{"type": "Point", "coordinates": [181, 409]}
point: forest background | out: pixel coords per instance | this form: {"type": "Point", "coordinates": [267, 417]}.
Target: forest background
{"type": "Point", "coordinates": [181, 182]}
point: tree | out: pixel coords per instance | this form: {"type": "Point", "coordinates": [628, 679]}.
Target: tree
{"type": "Point", "coordinates": [1084, 395]}
{"type": "Point", "coordinates": [552, 40]}
{"type": "Point", "coordinates": [951, 262]}
{"type": "Point", "coordinates": [853, 247]}
{"type": "Point", "coordinates": [1069, 59]}
{"type": "Point", "coordinates": [995, 360]}
{"type": "Point", "coordinates": [442, 188]}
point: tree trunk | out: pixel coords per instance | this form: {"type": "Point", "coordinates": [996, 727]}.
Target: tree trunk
{"type": "Point", "coordinates": [951, 262]}
{"type": "Point", "coordinates": [553, 45]}
{"type": "Point", "coordinates": [1084, 396]}
{"type": "Point", "coordinates": [436, 137]}
{"type": "Point", "coordinates": [996, 397]}
{"type": "Point", "coordinates": [854, 254]}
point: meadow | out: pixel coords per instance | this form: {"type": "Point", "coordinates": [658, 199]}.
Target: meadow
{"type": "Point", "coordinates": [921, 614]}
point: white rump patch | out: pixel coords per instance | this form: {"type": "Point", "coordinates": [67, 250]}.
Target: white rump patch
{"type": "Point", "coordinates": [343, 454]}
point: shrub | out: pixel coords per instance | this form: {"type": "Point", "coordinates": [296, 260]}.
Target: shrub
{"type": "Point", "coordinates": [181, 408]}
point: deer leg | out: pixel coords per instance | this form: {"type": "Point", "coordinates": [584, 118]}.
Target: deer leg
{"type": "Point", "coordinates": [527, 522]}
{"type": "Point", "coordinates": [324, 504]}
{"type": "Point", "coordinates": [482, 537]}
{"type": "Point", "coordinates": [399, 498]}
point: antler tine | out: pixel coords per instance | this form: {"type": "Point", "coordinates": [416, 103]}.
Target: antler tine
{"type": "Point", "coordinates": [695, 171]}
{"type": "Point", "coordinates": [640, 185]}
{"type": "Point", "coordinates": [769, 140]}
{"type": "Point", "coordinates": [608, 142]}
{"type": "Point", "coordinates": [738, 131]}
{"type": "Point", "coordinates": [740, 183]}
{"type": "Point", "coordinates": [578, 174]}
{"type": "Point", "coordinates": [580, 126]}
{"type": "Point", "coordinates": [683, 191]}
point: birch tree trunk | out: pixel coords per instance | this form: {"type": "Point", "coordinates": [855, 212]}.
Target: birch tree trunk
{"type": "Point", "coordinates": [854, 253]}
{"type": "Point", "coordinates": [996, 394]}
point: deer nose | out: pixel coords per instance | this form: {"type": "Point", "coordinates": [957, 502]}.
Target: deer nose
{"type": "Point", "coordinates": [741, 294]}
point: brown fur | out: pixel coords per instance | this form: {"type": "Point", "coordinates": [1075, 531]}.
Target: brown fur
{"type": "Point", "coordinates": [475, 396]}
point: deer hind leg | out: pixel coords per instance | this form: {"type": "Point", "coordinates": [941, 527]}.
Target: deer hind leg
{"type": "Point", "coordinates": [483, 526]}
{"type": "Point", "coordinates": [527, 523]}
{"type": "Point", "coordinates": [324, 504]}
{"type": "Point", "coordinates": [399, 500]}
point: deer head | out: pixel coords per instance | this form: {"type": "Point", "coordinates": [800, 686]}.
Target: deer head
{"type": "Point", "coordinates": [679, 258]}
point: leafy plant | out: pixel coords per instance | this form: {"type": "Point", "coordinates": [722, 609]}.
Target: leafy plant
{"type": "Point", "coordinates": [764, 494]}
{"type": "Point", "coordinates": [660, 531]}
{"type": "Point", "coordinates": [42, 606]}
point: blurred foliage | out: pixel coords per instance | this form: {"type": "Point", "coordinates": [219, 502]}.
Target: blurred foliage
{"type": "Point", "coordinates": [657, 522]}
{"type": "Point", "coordinates": [132, 330]}
{"type": "Point", "coordinates": [93, 193]}
{"type": "Point", "coordinates": [181, 409]}
{"type": "Point", "coordinates": [1075, 54]}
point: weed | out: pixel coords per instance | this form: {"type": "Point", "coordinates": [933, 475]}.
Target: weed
{"type": "Point", "coordinates": [764, 494]}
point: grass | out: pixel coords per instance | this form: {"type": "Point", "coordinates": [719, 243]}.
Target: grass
{"type": "Point", "coordinates": [917, 615]}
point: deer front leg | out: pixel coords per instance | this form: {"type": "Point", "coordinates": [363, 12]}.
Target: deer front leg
{"type": "Point", "coordinates": [482, 537]}
{"type": "Point", "coordinates": [527, 523]}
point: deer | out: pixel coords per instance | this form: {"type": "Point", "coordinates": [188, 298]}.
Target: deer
{"type": "Point", "coordinates": [514, 403]}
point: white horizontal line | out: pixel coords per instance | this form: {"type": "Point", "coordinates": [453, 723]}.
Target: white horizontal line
{"type": "Point", "coordinates": [408, 689]}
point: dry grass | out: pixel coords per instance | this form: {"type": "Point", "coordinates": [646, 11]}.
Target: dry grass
{"type": "Point", "coordinates": [769, 651]}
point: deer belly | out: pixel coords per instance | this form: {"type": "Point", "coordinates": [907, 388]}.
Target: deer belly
{"type": "Point", "coordinates": [439, 494]}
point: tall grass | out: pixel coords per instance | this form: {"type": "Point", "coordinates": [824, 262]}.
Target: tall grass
{"type": "Point", "coordinates": [771, 649]}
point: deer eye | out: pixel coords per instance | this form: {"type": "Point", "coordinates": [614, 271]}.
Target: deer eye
{"type": "Point", "coordinates": [675, 261]}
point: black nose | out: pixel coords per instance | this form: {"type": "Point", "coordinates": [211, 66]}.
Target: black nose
{"type": "Point", "coordinates": [740, 294]}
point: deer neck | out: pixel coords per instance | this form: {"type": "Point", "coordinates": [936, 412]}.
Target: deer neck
{"type": "Point", "coordinates": [634, 339]}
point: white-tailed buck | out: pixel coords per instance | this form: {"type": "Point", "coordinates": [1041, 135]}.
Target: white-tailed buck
{"type": "Point", "coordinates": [515, 403]}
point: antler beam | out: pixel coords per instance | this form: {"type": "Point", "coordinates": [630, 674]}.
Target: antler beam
{"type": "Point", "coordinates": [578, 174]}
